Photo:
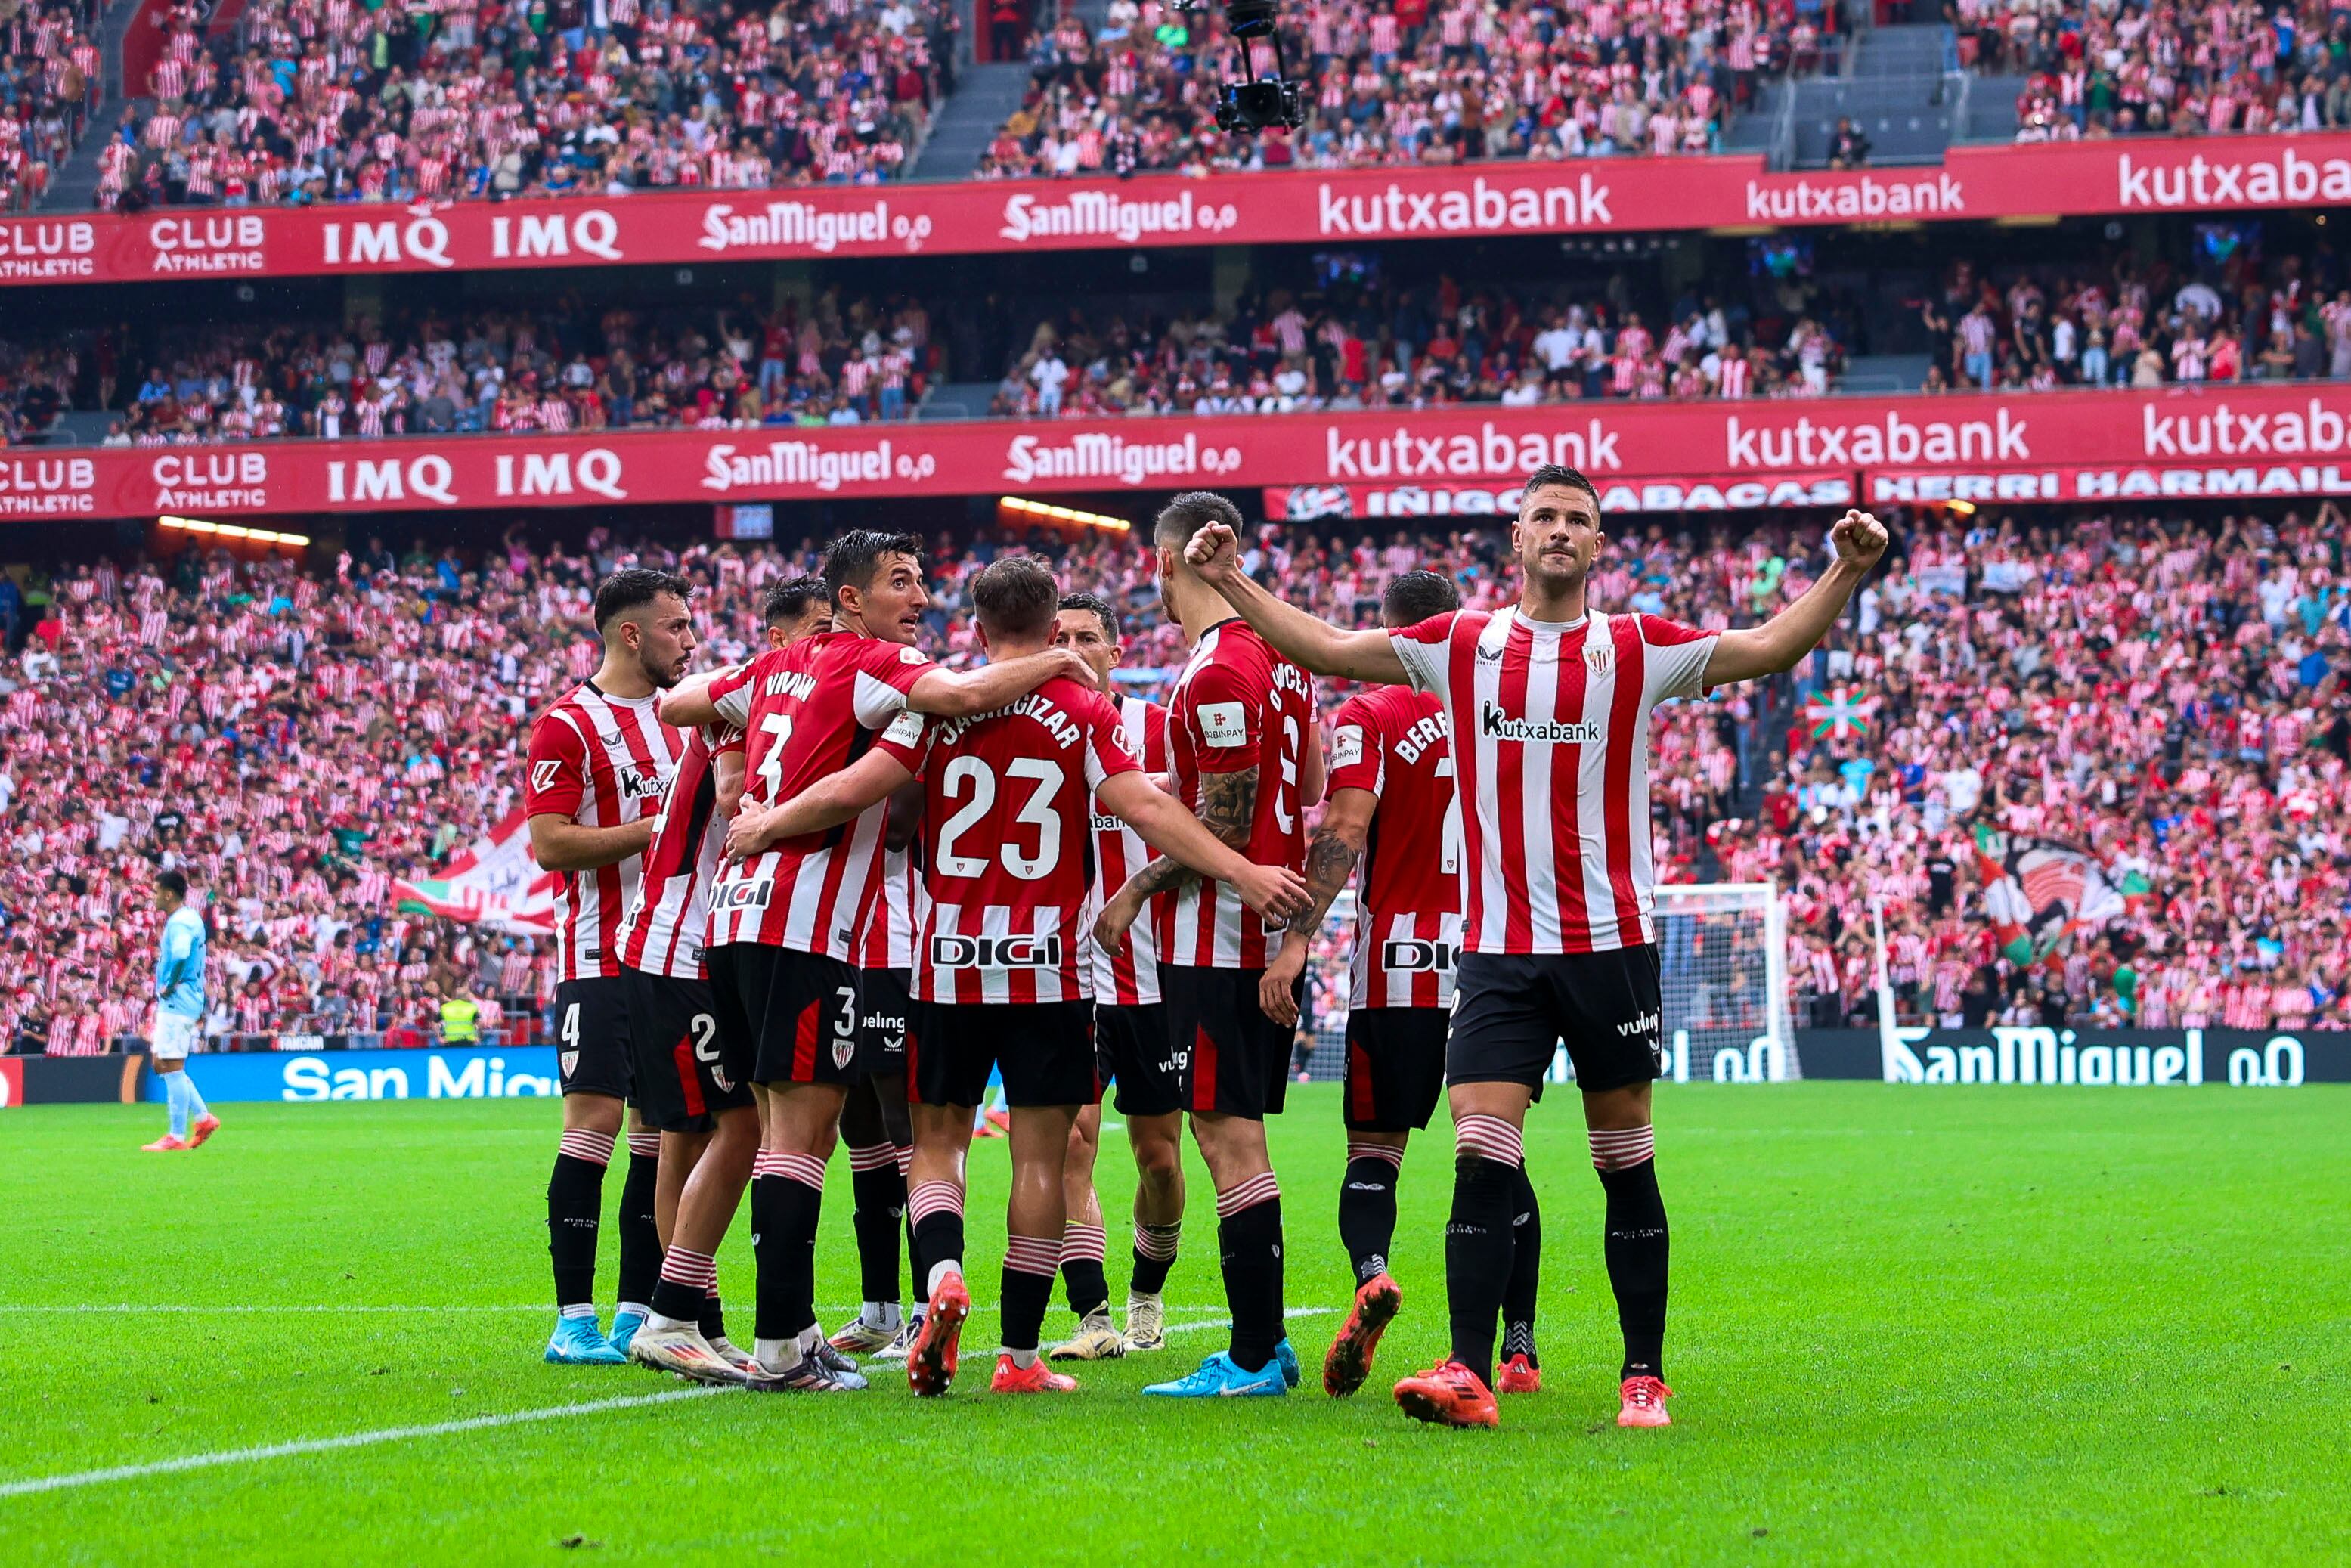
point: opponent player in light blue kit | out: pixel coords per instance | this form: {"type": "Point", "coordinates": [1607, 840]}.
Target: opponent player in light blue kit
{"type": "Point", "coordinates": [178, 1014]}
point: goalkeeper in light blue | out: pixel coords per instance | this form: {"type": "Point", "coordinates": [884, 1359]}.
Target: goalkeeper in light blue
{"type": "Point", "coordinates": [179, 1015]}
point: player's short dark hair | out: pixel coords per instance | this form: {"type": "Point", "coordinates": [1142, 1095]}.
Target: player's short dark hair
{"type": "Point", "coordinates": [1095, 604]}
{"type": "Point", "coordinates": [633, 588]}
{"type": "Point", "coordinates": [1563, 477]}
{"type": "Point", "coordinates": [858, 554]}
{"type": "Point", "coordinates": [788, 601]}
{"type": "Point", "coordinates": [172, 882]}
{"type": "Point", "coordinates": [1416, 595]}
{"type": "Point", "coordinates": [1190, 512]}
{"type": "Point", "coordinates": [1016, 596]}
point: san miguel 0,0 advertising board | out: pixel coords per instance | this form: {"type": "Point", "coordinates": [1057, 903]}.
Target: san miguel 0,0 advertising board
{"type": "Point", "coordinates": [2289, 438]}
{"type": "Point", "coordinates": [1614, 195]}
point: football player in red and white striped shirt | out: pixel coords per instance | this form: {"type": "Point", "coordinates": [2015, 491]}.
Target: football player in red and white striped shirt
{"type": "Point", "coordinates": [1392, 808]}
{"type": "Point", "coordinates": [681, 1091]}
{"type": "Point", "coordinates": [600, 760]}
{"type": "Point", "coordinates": [786, 911]}
{"type": "Point", "coordinates": [1131, 1048]}
{"type": "Point", "coordinates": [998, 979]}
{"type": "Point", "coordinates": [1549, 705]}
{"type": "Point", "coordinates": [1246, 754]}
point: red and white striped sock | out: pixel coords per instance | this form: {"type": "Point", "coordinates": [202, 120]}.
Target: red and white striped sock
{"type": "Point", "coordinates": [1487, 1139]}
{"type": "Point", "coordinates": [936, 1209]}
{"type": "Point", "coordinates": [806, 1169]}
{"type": "Point", "coordinates": [645, 1143]}
{"type": "Point", "coordinates": [872, 1158]}
{"type": "Point", "coordinates": [587, 1144]}
{"type": "Point", "coordinates": [1387, 1152]}
{"type": "Point", "coordinates": [1084, 1242]}
{"type": "Point", "coordinates": [1258, 1188]}
{"type": "Point", "coordinates": [1029, 1264]}
{"type": "Point", "coordinates": [1622, 1148]}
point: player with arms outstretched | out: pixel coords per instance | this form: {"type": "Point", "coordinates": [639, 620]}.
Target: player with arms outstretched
{"type": "Point", "coordinates": [786, 913]}
{"type": "Point", "coordinates": [1246, 754]}
{"type": "Point", "coordinates": [1392, 808]}
{"type": "Point", "coordinates": [600, 763]}
{"type": "Point", "coordinates": [1131, 1050]}
{"type": "Point", "coordinates": [1549, 705]}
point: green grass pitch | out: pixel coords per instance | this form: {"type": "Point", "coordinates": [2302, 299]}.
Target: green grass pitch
{"type": "Point", "coordinates": [1908, 1326]}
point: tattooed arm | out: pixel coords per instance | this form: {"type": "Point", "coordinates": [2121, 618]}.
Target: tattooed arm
{"type": "Point", "coordinates": [1331, 857]}
{"type": "Point", "coordinates": [1228, 810]}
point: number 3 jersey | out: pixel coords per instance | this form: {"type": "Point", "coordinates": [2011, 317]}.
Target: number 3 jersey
{"type": "Point", "coordinates": [1008, 856]}
{"type": "Point", "coordinates": [1393, 741]}
{"type": "Point", "coordinates": [1238, 704]}
{"type": "Point", "coordinates": [807, 712]}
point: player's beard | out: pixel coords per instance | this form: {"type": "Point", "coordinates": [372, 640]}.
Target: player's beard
{"type": "Point", "coordinates": [663, 678]}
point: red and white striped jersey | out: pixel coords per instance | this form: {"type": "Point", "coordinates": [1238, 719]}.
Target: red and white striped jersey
{"type": "Point", "coordinates": [670, 914]}
{"type": "Point", "coordinates": [1238, 704]}
{"type": "Point", "coordinates": [1007, 841]}
{"type": "Point", "coordinates": [1393, 741]}
{"type": "Point", "coordinates": [1131, 978]}
{"type": "Point", "coordinates": [809, 711]}
{"type": "Point", "coordinates": [602, 762]}
{"type": "Point", "coordinates": [887, 941]}
{"type": "Point", "coordinates": [1550, 753]}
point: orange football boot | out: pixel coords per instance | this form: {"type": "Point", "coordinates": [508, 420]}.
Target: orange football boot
{"type": "Point", "coordinates": [1349, 1360]}
{"type": "Point", "coordinates": [1034, 1378]}
{"type": "Point", "coordinates": [931, 1361]}
{"type": "Point", "coordinates": [1644, 1403]}
{"type": "Point", "coordinates": [1449, 1395]}
{"type": "Point", "coordinates": [1518, 1376]}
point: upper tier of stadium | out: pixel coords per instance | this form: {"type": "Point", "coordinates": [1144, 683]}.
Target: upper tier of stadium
{"type": "Point", "coordinates": [141, 106]}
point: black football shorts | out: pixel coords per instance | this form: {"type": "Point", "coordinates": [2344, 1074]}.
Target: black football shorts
{"type": "Point", "coordinates": [1235, 1059]}
{"type": "Point", "coordinates": [681, 1078]}
{"type": "Point", "coordinates": [1512, 1012]}
{"type": "Point", "coordinates": [1131, 1050]}
{"type": "Point", "coordinates": [591, 1036]}
{"type": "Point", "coordinates": [1045, 1050]}
{"type": "Point", "coordinates": [784, 1016]}
{"type": "Point", "coordinates": [1396, 1067]}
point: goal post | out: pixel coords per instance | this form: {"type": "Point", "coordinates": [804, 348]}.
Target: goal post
{"type": "Point", "coordinates": [1723, 978]}
{"type": "Point", "coordinates": [1722, 948]}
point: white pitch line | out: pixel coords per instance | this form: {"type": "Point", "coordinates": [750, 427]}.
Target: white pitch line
{"type": "Point", "coordinates": [351, 1440]}
{"type": "Point", "coordinates": [125, 1307]}
{"type": "Point", "coordinates": [436, 1429]}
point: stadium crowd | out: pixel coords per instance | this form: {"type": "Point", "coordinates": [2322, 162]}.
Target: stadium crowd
{"type": "Point", "coordinates": [2202, 66]}
{"type": "Point", "coordinates": [2176, 699]}
{"type": "Point", "coordinates": [1407, 81]}
{"type": "Point", "coordinates": [2123, 322]}
{"type": "Point", "coordinates": [50, 83]}
{"type": "Point", "coordinates": [321, 101]}
{"type": "Point", "coordinates": [851, 360]}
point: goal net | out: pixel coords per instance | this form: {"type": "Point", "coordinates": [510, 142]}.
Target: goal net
{"type": "Point", "coordinates": [1723, 951]}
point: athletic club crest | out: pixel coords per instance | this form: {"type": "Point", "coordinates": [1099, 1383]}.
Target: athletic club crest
{"type": "Point", "coordinates": [571, 1060]}
{"type": "Point", "coordinates": [1600, 656]}
{"type": "Point", "coordinates": [844, 1047]}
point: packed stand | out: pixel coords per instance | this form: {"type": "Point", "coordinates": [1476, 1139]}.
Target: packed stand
{"type": "Point", "coordinates": [2204, 68]}
{"type": "Point", "coordinates": [321, 101]}
{"type": "Point", "coordinates": [2096, 774]}
{"type": "Point", "coordinates": [2169, 703]}
{"type": "Point", "coordinates": [1407, 81]}
{"type": "Point", "coordinates": [50, 84]}
{"type": "Point", "coordinates": [2140, 325]}
{"type": "Point", "coordinates": [565, 368]}
{"type": "Point", "coordinates": [1281, 352]}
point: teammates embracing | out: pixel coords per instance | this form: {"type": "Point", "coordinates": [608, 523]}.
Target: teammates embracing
{"type": "Point", "coordinates": [826, 893]}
